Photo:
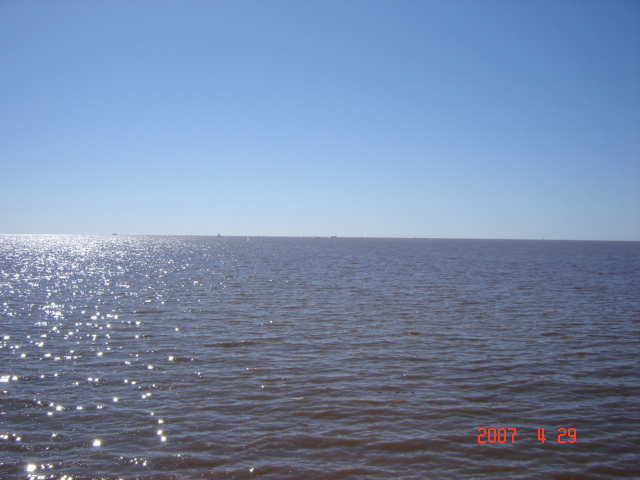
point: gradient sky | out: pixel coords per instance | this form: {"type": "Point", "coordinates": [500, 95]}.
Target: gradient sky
{"type": "Point", "coordinates": [465, 119]}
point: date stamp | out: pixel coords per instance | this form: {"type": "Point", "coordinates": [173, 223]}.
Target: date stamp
{"type": "Point", "coordinates": [503, 435]}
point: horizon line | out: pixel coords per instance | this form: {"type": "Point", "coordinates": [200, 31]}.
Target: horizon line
{"type": "Point", "coordinates": [329, 237]}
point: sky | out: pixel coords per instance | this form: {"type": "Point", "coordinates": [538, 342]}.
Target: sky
{"type": "Point", "coordinates": [431, 118]}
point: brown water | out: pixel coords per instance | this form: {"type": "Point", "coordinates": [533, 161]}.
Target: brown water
{"type": "Point", "coordinates": [204, 357]}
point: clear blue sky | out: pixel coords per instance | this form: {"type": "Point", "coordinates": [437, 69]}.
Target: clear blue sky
{"type": "Point", "coordinates": [469, 119]}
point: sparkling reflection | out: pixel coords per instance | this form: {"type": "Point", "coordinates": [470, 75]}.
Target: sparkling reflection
{"type": "Point", "coordinates": [206, 357]}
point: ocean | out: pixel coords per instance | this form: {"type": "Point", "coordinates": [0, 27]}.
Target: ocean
{"type": "Point", "coordinates": [141, 357]}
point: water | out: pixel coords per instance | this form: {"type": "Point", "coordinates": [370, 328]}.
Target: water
{"type": "Point", "coordinates": [232, 358]}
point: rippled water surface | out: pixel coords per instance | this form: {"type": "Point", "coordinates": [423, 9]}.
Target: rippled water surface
{"type": "Point", "coordinates": [205, 357]}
